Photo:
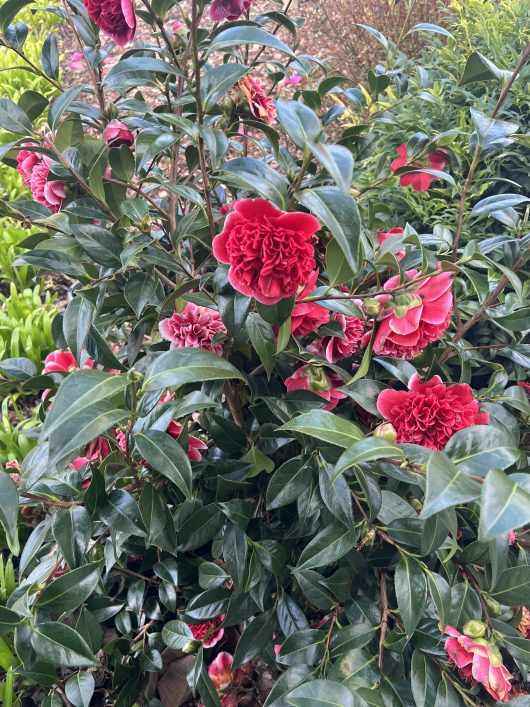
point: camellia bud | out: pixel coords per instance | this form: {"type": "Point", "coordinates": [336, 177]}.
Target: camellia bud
{"type": "Point", "coordinates": [493, 605]}
{"type": "Point", "coordinates": [117, 133]}
{"type": "Point", "coordinates": [191, 647]}
{"type": "Point", "coordinates": [318, 379]}
{"type": "Point", "coordinates": [386, 431]}
{"type": "Point", "coordinates": [474, 629]}
{"type": "Point", "coordinates": [372, 307]}
{"type": "Point", "coordinates": [416, 504]}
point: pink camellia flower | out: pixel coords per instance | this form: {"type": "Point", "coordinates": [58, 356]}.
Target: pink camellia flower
{"type": "Point", "coordinates": [430, 413]}
{"type": "Point", "coordinates": [59, 361]}
{"type": "Point", "coordinates": [117, 133]}
{"type": "Point", "coordinates": [255, 99]}
{"type": "Point", "coordinates": [115, 18]}
{"type": "Point", "coordinates": [525, 387]}
{"type": "Point", "coordinates": [177, 27]}
{"type": "Point", "coordinates": [417, 317]}
{"type": "Point", "coordinates": [419, 181]}
{"type": "Point", "coordinates": [512, 537]}
{"type": "Point", "coordinates": [357, 333]}
{"type": "Point", "coordinates": [195, 445]}
{"type": "Point", "coordinates": [195, 326]}
{"type": "Point", "coordinates": [317, 380]}
{"type": "Point", "coordinates": [293, 80]}
{"type": "Point", "coordinates": [307, 317]}
{"type": "Point", "coordinates": [76, 60]}
{"type": "Point", "coordinates": [383, 236]}
{"type": "Point", "coordinates": [228, 9]}
{"type": "Point", "coordinates": [26, 162]}
{"type": "Point", "coordinates": [225, 680]}
{"type": "Point", "coordinates": [524, 623]}
{"type": "Point", "coordinates": [95, 451]}
{"type": "Point", "coordinates": [270, 252]}
{"type": "Point", "coordinates": [483, 658]}
{"type": "Point", "coordinates": [49, 193]}
{"type": "Point", "coordinates": [200, 630]}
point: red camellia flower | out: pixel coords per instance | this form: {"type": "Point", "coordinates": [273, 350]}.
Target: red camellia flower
{"type": "Point", "coordinates": [26, 162]}
{"type": "Point", "coordinates": [383, 236]}
{"type": "Point", "coordinates": [307, 317]}
{"type": "Point", "coordinates": [255, 98]}
{"type": "Point", "coordinates": [225, 680]}
{"type": "Point", "coordinates": [270, 252]}
{"type": "Point", "coordinates": [117, 133]}
{"type": "Point", "coordinates": [35, 170]}
{"type": "Point", "coordinates": [59, 361]}
{"type": "Point", "coordinates": [200, 630]}
{"type": "Point", "coordinates": [228, 9]}
{"type": "Point", "coordinates": [430, 413]}
{"type": "Point", "coordinates": [419, 181]}
{"type": "Point", "coordinates": [317, 380]}
{"type": "Point", "coordinates": [195, 445]}
{"type": "Point", "coordinates": [480, 660]}
{"type": "Point", "coordinates": [356, 336]}
{"type": "Point", "coordinates": [115, 18]}
{"type": "Point", "coordinates": [195, 327]}
{"type": "Point", "coordinates": [525, 387]}
{"type": "Point", "coordinates": [417, 317]}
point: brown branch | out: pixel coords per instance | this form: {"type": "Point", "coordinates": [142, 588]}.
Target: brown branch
{"type": "Point", "coordinates": [49, 501]}
{"type": "Point", "coordinates": [384, 618]}
{"type": "Point", "coordinates": [234, 404]}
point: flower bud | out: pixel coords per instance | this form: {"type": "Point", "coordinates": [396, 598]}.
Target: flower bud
{"type": "Point", "coordinates": [474, 629]}
{"type": "Point", "coordinates": [371, 307]}
{"type": "Point", "coordinates": [416, 504]}
{"type": "Point", "coordinates": [369, 537]}
{"type": "Point", "coordinates": [191, 647]}
{"type": "Point", "coordinates": [318, 379]}
{"type": "Point", "coordinates": [386, 431]}
{"type": "Point", "coordinates": [493, 605]}
{"type": "Point", "coordinates": [117, 133]}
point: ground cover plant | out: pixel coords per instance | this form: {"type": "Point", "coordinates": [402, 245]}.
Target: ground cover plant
{"type": "Point", "coordinates": [280, 451]}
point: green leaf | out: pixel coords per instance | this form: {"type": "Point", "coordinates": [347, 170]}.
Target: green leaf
{"type": "Point", "coordinates": [339, 213]}
{"type": "Point", "coordinates": [513, 641]}
{"type": "Point", "coordinates": [101, 245]}
{"type": "Point", "coordinates": [513, 586]}
{"type": "Point", "coordinates": [50, 56]}
{"type": "Point", "coordinates": [72, 531]}
{"type": "Point", "coordinates": [355, 636]}
{"type": "Point", "coordinates": [490, 204]}
{"type": "Point", "coordinates": [235, 550]}
{"type": "Point", "coordinates": [276, 313]}
{"type": "Point", "coordinates": [326, 426]}
{"type": "Point", "coordinates": [245, 34]}
{"type": "Point", "coordinates": [218, 80]}
{"type": "Point", "coordinates": [327, 547]}
{"type": "Point", "coordinates": [61, 645]}
{"type": "Point", "coordinates": [8, 620]}
{"type": "Point", "coordinates": [337, 161]}
{"type": "Point", "coordinates": [411, 592]}
{"type": "Point", "coordinates": [187, 365]}
{"type": "Point", "coordinates": [177, 635]}
{"type": "Point", "coordinates": [61, 104]}
{"type": "Point", "coordinates": [430, 28]}
{"type": "Point", "coordinates": [338, 269]}
{"type": "Point", "coordinates": [77, 320]}
{"type": "Point", "coordinates": [504, 506]}
{"type": "Point", "coordinates": [71, 589]}
{"type": "Point", "coordinates": [320, 693]}
{"type": "Point", "coordinates": [262, 339]}
{"type": "Point", "coordinates": [303, 648]}
{"type": "Point", "coordinates": [288, 483]}
{"type": "Point", "coordinates": [479, 68]}
{"type": "Point", "coordinates": [138, 71]}
{"type": "Point", "coordinates": [480, 448]}
{"type": "Point", "coordinates": [257, 177]}
{"type": "Point", "coordinates": [10, 9]}
{"type": "Point", "coordinates": [367, 449]}
{"type": "Point", "coordinates": [424, 678]}
{"type": "Point", "coordinates": [447, 486]}
{"type": "Point", "coordinates": [79, 689]}
{"type": "Point", "coordinates": [13, 118]}
{"type": "Point", "coordinates": [89, 629]}
{"type": "Point", "coordinates": [299, 122]}
{"type": "Point", "coordinates": [9, 511]}
{"type": "Point", "coordinates": [441, 595]}
{"type": "Point", "coordinates": [121, 513]}
{"type": "Point", "coordinates": [254, 638]}
{"type": "Point", "coordinates": [139, 290]}
{"type": "Point", "coordinates": [167, 457]}
{"type": "Point", "coordinates": [447, 696]}
{"type": "Point", "coordinates": [285, 683]}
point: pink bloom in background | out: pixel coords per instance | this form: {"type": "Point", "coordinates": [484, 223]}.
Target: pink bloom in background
{"type": "Point", "coordinates": [195, 445]}
{"type": "Point", "coordinates": [76, 60]}
{"type": "Point", "coordinates": [200, 630]}
{"type": "Point", "coordinates": [419, 181]}
{"type": "Point", "coordinates": [357, 334]}
{"type": "Point", "coordinates": [293, 80]}
{"type": "Point", "coordinates": [59, 361]}
{"type": "Point", "coordinates": [479, 660]}
{"type": "Point", "coordinates": [195, 326]}
{"type": "Point", "coordinates": [525, 387]}
{"type": "Point", "coordinates": [383, 236]}
{"type": "Point", "coordinates": [319, 381]}
{"type": "Point", "coordinates": [270, 252]}
{"type": "Point", "coordinates": [225, 680]}
{"type": "Point", "coordinates": [259, 104]}
{"type": "Point", "coordinates": [49, 193]}
{"type": "Point", "coordinates": [14, 464]}
{"type": "Point", "coordinates": [117, 133]}
{"type": "Point", "coordinates": [26, 162]}
{"type": "Point", "coordinates": [417, 317]}
{"type": "Point", "coordinates": [115, 18]}
{"type": "Point", "coordinates": [307, 317]}
{"type": "Point", "coordinates": [524, 623]}
{"type": "Point", "coordinates": [512, 537]}
{"type": "Point", "coordinates": [228, 9]}
{"type": "Point", "coordinates": [430, 413]}
{"type": "Point", "coordinates": [177, 27]}
{"type": "Point", "coordinates": [96, 451]}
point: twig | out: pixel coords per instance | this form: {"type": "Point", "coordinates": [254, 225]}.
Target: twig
{"type": "Point", "coordinates": [234, 404]}
{"type": "Point", "coordinates": [49, 501]}
{"type": "Point", "coordinates": [384, 618]}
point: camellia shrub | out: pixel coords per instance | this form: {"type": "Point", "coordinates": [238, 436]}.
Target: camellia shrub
{"type": "Point", "coordinates": [280, 456]}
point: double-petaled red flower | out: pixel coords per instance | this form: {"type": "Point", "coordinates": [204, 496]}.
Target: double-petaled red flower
{"type": "Point", "coordinates": [195, 327]}
{"type": "Point", "coordinates": [430, 413]}
{"type": "Point", "coordinates": [419, 181]}
{"type": "Point", "coordinates": [115, 18]}
{"type": "Point", "coordinates": [415, 317]}
{"type": "Point", "coordinates": [270, 252]}
{"type": "Point", "coordinates": [307, 317]}
{"type": "Point", "coordinates": [117, 133]}
{"type": "Point", "coordinates": [356, 335]}
{"type": "Point", "coordinates": [253, 98]}
{"type": "Point", "coordinates": [35, 170]}
{"type": "Point", "coordinates": [210, 629]}
{"type": "Point", "coordinates": [317, 380]}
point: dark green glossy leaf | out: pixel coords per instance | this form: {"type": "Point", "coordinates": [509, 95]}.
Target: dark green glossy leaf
{"type": "Point", "coordinates": [167, 457]}
{"type": "Point", "coordinates": [411, 592]}
{"type": "Point", "coordinates": [187, 365]}
{"type": "Point", "coordinates": [254, 638]}
{"type": "Point", "coordinates": [70, 590]}
{"type": "Point", "coordinates": [9, 511]}
{"type": "Point", "coordinates": [61, 645]}
{"type": "Point", "coordinates": [447, 486]}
